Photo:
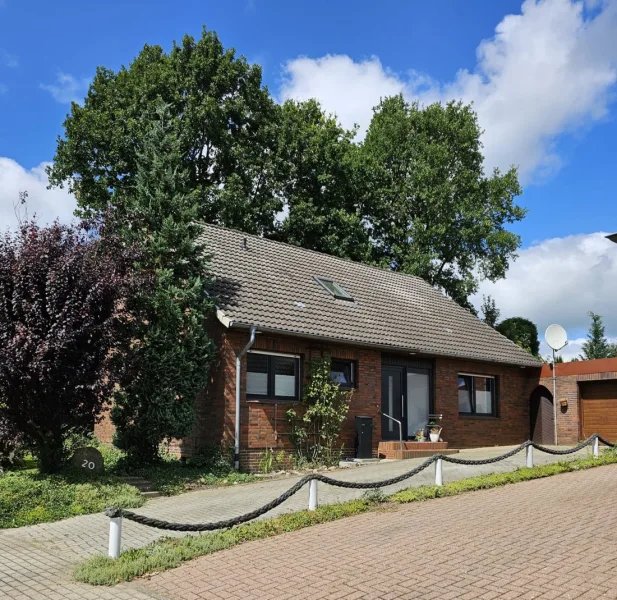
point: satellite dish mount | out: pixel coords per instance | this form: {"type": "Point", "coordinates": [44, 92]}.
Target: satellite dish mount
{"type": "Point", "coordinates": [557, 338]}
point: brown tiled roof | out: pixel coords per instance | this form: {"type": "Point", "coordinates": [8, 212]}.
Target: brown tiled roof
{"type": "Point", "coordinates": [271, 285]}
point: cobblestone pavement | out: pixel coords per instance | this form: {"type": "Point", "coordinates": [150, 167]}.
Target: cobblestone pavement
{"type": "Point", "coordinates": [36, 562]}
{"type": "Point", "coordinates": [553, 538]}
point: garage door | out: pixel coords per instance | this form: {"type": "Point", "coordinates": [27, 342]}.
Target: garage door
{"type": "Point", "coordinates": [599, 404]}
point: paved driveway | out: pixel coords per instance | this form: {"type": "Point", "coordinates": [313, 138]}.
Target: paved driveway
{"type": "Point", "coordinates": [35, 562]}
{"type": "Point", "coordinates": [550, 538]}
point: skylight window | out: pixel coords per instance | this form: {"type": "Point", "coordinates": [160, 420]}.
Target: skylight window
{"type": "Point", "coordinates": [335, 289]}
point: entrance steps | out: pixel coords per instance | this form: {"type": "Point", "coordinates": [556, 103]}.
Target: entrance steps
{"type": "Point", "coordinates": [392, 450]}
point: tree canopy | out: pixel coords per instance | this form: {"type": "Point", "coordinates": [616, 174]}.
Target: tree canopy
{"type": "Point", "coordinates": [522, 332]}
{"type": "Point", "coordinates": [412, 196]}
{"type": "Point", "coordinates": [490, 312]}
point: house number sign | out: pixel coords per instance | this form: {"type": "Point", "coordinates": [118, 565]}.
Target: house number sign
{"type": "Point", "coordinates": [89, 460]}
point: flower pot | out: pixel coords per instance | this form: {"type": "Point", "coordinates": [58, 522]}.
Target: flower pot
{"type": "Point", "coordinates": [434, 437]}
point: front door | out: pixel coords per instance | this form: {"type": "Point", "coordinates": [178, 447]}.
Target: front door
{"type": "Point", "coordinates": [417, 401]}
{"type": "Point", "coordinates": [392, 402]}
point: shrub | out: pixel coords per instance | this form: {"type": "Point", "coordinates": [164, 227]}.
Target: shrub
{"type": "Point", "coordinates": [316, 429]}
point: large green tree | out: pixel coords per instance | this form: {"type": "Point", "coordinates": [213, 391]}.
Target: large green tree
{"type": "Point", "coordinates": [318, 174]}
{"type": "Point", "coordinates": [432, 210]}
{"type": "Point", "coordinates": [412, 196]}
{"type": "Point", "coordinates": [522, 332]}
{"type": "Point", "coordinates": [158, 215]}
{"type": "Point", "coordinates": [597, 345]}
{"type": "Point", "coordinates": [224, 119]}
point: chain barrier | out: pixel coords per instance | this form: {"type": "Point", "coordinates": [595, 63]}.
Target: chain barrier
{"type": "Point", "coordinates": [605, 442]}
{"type": "Point", "coordinates": [115, 512]}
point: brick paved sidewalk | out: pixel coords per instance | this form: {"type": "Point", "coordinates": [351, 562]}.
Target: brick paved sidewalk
{"type": "Point", "coordinates": [35, 562]}
{"type": "Point", "coordinates": [553, 538]}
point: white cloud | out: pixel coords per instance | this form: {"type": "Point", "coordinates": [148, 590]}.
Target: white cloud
{"type": "Point", "coordinates": [67, 88]}
{"type": "Point", "coordinates": [45, 204]}
{"type": "Point", "coordinates": [344, 87]}
{"type": "Point", "coordinates": [8, 60]}
{"type": "Point", "coordinates": [545, 71]}
{"type": "Point", "coordinates": [559, 281]}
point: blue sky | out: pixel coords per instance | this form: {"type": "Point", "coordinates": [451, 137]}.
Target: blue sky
{"type": "Point", "coordinates": [543, 81]}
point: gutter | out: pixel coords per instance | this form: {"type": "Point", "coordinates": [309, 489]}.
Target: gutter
{"type": "Point", "coordinates": [238, 379]}
{"type": "Point", "coordinates": [229, 323]}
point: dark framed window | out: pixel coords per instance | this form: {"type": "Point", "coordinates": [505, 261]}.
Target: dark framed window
{"type": "Point", "coordinates": [272, 377]}
{"type": "Point", "coordinates": [477, 395]}
{"type": "Point", "coordinates": [343, 372]}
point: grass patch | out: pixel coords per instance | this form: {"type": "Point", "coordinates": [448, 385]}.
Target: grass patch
{"type": "Point", "coordinates": [27, 498]}
{"type": "Point", "coordinates": [171, 552]}
{"type": "Point", "coordinates": [171, 477]}
{"type": "Point", "coordinates": [484, 482]}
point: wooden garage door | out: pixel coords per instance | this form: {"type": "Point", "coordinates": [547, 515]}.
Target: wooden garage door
{"type": "Point", "coordinates": [599, 404]}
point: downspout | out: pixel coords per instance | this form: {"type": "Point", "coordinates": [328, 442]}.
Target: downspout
{"type": "Point", "coordinates": [238, 379]}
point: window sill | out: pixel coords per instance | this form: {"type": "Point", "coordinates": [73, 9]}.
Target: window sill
{"type": "Point", "coordinates": [272, 400]}
{"type": "Point", "coordinates": [473, 416]}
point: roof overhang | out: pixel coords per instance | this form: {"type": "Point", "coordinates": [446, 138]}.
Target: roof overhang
{"type": "Point", "coordinates": [228, 323]}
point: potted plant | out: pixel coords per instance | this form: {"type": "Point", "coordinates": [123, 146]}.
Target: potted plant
{"type": "Point", "coordinates": [435, 433]}
{"type": "Point", "coordinates": [420, 435]}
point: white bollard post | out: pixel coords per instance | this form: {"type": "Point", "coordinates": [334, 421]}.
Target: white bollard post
{"type": "Point", "coordinates": [438, 472]}
{"type": "Point", "coordinates": [115, 537]}
{"type": "Point", "coordinates": [596, 448]}
{"type": "Point", "coordinates": [529, 457]}
{"type": "Point", "coordinates": [313, 501]}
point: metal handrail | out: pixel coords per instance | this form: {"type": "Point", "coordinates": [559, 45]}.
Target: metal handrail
{"type": "Point", "coordinates": [400, 430]}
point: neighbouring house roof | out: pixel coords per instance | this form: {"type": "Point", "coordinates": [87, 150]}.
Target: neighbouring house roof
{"type": "Point", "coordinates": [272, 285]}
{"type": "Point", "coordinates": [581, 367]}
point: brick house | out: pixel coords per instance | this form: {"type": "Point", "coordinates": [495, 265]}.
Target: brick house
{"type": "Point", "coordinates": [405, 349]}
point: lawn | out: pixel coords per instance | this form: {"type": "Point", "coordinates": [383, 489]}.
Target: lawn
{"type": "Point", "coordinates": [28, 497]}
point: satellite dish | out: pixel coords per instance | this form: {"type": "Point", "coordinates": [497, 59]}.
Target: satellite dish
{"type": "Point", "coordinates": [556, 337]}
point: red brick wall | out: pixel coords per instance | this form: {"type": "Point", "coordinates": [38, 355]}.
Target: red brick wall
{"type": "Point", "coordinates": [568, 418]}
{"type": "Point", "coordinates": [511, 426]}
{"type": "Point", "coordinates": [263, 423]}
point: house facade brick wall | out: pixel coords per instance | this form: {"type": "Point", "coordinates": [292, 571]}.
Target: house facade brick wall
{"type": "Point", "coordinates": [510, 426]}
{"type": "Point", "coordinates": [264, 424]}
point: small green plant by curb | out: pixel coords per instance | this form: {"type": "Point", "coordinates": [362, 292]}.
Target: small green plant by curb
{"type": "Point", "coordinates": [171, 552]}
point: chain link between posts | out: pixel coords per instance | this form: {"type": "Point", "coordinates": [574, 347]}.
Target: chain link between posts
{"type": "Point", "coordinates": [114, 512]}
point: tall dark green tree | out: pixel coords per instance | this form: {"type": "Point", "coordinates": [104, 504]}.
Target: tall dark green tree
{"type": "Point", "coordinates": [597, 345]}
{"type": "Point", "coordinates": [432, 210]}
{"type": "Point", "coordinates": [158, 214]}
{"type": "Point", "coordinates": [522, 332]}
{"type": "Point", "coordinates": [224, 119]}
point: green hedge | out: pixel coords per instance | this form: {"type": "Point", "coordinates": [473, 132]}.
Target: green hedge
{"type": "Point", "coordinates": [27, 498]}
